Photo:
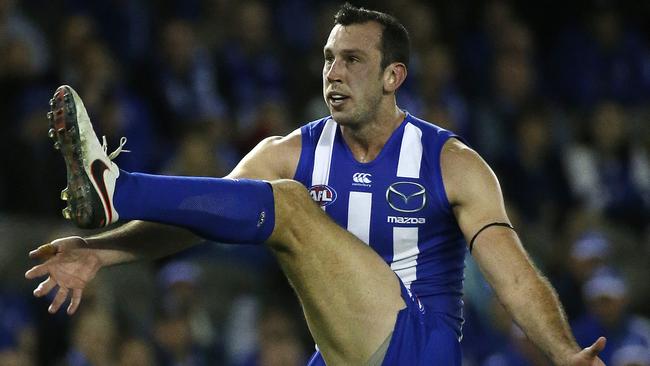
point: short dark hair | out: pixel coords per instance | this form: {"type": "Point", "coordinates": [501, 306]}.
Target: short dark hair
{"type": "Point", "coordinates": [395, 41]}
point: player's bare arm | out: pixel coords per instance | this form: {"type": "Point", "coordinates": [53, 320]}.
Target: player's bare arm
{"type": "Point", "coordinates": [77, 259]}
{"type": "Point", "coordinates": [475, 195]}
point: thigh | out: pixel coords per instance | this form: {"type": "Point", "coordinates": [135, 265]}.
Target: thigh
{"type": "Point", "coordinates": [349, 295]}
{"type": "Point", "coordinates": [419, 338]}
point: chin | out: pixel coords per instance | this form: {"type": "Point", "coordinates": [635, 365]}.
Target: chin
{"type": "Point", "coordinates": [343, 118]}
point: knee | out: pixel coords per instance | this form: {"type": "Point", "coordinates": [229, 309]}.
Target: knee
{"type": "Point", "coordinates": [293, 207]}
{"type": "Point", "coordinates": [291, 199]}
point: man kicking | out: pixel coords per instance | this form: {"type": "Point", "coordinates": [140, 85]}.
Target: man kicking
{"type": "Point", "coordinates": [386, 291]}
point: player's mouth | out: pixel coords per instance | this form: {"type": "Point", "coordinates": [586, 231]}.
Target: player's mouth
{"type": "Point", "coordinates": [336, 99]}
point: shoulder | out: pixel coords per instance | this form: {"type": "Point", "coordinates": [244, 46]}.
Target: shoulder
{"type": "Point", "coordinates": [282, 152]}
{"type": "Point", "coordinates": [456, 151]}
{"type": "Point", "coordinates": [277, 157]}
{"type": "Point", "coordinates": [273, 158]}
{"type": "Point", "coordinates": [279, 144]}
{"type": "Point", "coordinates": [431, 134]}
{"type": "Point", "coordinates": [469, 183]}
{"type": "Point", "coordinates": [290, 145]}
{"type": "Point", "coordinates": [465, 174]}
{"type": "Point", "coordinates": [311, 131]}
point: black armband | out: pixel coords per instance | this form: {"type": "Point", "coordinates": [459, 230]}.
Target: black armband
{"type": "Point", "coordinates": [504, 224]}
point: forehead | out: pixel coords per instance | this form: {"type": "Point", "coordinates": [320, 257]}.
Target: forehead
{"type": "Point", "coordinates": [365, 36]}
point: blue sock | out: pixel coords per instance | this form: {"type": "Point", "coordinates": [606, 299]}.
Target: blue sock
{"type": "Point", "coordinates": [224, 210]}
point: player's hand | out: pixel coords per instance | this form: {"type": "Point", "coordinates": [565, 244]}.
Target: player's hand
{"type": "Point", "coordinates": [70, 265]}
{"type": "Point", "coordinates": [589, 356]}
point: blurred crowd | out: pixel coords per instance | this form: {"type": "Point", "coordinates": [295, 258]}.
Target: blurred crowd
{"type": "Point", "coordinates": [554, 95]}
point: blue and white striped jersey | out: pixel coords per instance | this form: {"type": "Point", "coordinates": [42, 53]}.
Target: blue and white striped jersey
{"type": "Point", "coordinates": [396, 204]}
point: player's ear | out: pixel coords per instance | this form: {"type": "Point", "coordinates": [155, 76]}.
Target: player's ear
{"type": "Point", "coordinates": [394, 76]}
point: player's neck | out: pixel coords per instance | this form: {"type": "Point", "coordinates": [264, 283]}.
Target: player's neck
{"type": "Point", "coordinates": [367, 139]}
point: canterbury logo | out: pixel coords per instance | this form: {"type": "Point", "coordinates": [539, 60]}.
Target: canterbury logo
{"type": "Point", "coordinates": [363, 178]}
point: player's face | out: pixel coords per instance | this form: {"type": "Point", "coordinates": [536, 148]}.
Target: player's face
{"type": "Point", "coordinates": [352, 74]}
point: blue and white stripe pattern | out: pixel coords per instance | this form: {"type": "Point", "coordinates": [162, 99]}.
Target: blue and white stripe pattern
{"type": "Point", "coordinates": [398, 207]}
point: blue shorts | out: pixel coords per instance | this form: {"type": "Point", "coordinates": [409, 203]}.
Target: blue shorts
{"type": "Point", "coordinates": [420, 338]}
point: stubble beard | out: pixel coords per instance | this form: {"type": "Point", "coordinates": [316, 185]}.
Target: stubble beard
{"type": "Point", "coordinates": [361, 115]}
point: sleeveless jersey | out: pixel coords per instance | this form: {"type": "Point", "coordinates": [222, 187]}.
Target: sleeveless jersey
{"type": "Point", "coordinates": [396, 204]}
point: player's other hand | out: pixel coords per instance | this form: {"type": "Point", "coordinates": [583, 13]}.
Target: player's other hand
{"type": "Point", "coordinates": [69, 264]}
{"type": "Point", "coordinates": [589, 356]}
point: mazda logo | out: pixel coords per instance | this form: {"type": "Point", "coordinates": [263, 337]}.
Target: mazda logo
{"type": "Point", "coordinates": [406, 196]}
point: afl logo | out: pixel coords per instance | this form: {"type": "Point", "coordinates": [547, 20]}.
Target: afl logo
{"type": "Point", "coordinates": [406, 196]}
{"type": "Point", "coordinates": [323, 194]}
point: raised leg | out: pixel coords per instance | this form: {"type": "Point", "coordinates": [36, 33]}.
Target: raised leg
{"type": "Point", "coordinates": [350, 296]}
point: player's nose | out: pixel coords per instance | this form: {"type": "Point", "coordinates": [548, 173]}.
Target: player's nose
{"type": "Point", "coordinates": [334, 73]}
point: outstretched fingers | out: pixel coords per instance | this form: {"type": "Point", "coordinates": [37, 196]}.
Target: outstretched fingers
{"type": "Point", "coordinates": [37, 271]}
{"type": "Point", "coordinates": [63, 267]}
{"type": "Point", "coordinates": [59, 299]}
{"type": "Point", "coordinates": [75, 300]}
{"type": "Point", "coordinates": [45, 287]}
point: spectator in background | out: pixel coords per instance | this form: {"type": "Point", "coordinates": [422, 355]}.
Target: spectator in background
{"type": "Point", "coordinates": [24, 48]}
{"type": "Point", "coordinates": [269, 119]}
{"type": "Point", "coordinates": [279, 339]}
{"type": "Point", "coordinates": [135, 352]}
{"type": "Point", "coordinates": [175, 342]}
{"type": "Point", "coordinates": [609, 172]}
{"type": "Point", "coordinates": [533, 163]}
{"type": "Point", "coordinates": [119, 111]}
{"type": "Point", "coordinates": [76, 31]}
{"type": "Point", "coordinates": [291, 15]}
{"type": "Point", "coordinates": [180, 281]}
{"type": "Point", "coordinates": [631, 356]}
{"type": "Point", "coordinates": [518, 351]}
{"type": "Point", "coordinates": [589, 253]}
{"type": "Point", "coordinates": [477, 47]}
{"type": "Point", "coordinates": [439, 94]}
{"type": "Point", "coordinates": [203, 150]}
{"type": "Point", "coordinates": [10, 357]}
{"type": "Point", "coordinates": [23, 68]}
{"type": "Point", "coordinates": [93, 339]}
{"type": "Point", "coordinates": [214, 23]}
{"type": "Point", "coordinates": [606, 297]}
{"type": "Point", "coordinates": [252, 64]}
{"type": "Point", "coordinates": [123, 25]}
{"type": "Point", "coordinates": [186, 79]}
{"type": "Point", "coordinates": [514, 86]}
{"type": "Point", "coordinates": [17, 332]}
{"type": "Point", "coordinates": [603, 59]}
{"type": "Point", "coordinates": [422, 22]}
{"type": "Point", "coordinates": [267, 327]}
{"type": "Point", "coordinates": [27, 155]}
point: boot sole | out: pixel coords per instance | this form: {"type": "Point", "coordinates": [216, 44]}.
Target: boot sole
{"type": "Point", "coordinates": [84, 204]}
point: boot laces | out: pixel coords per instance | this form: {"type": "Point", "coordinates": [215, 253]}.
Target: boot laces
{"type": "Point", "coordinates": [120, 149]}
